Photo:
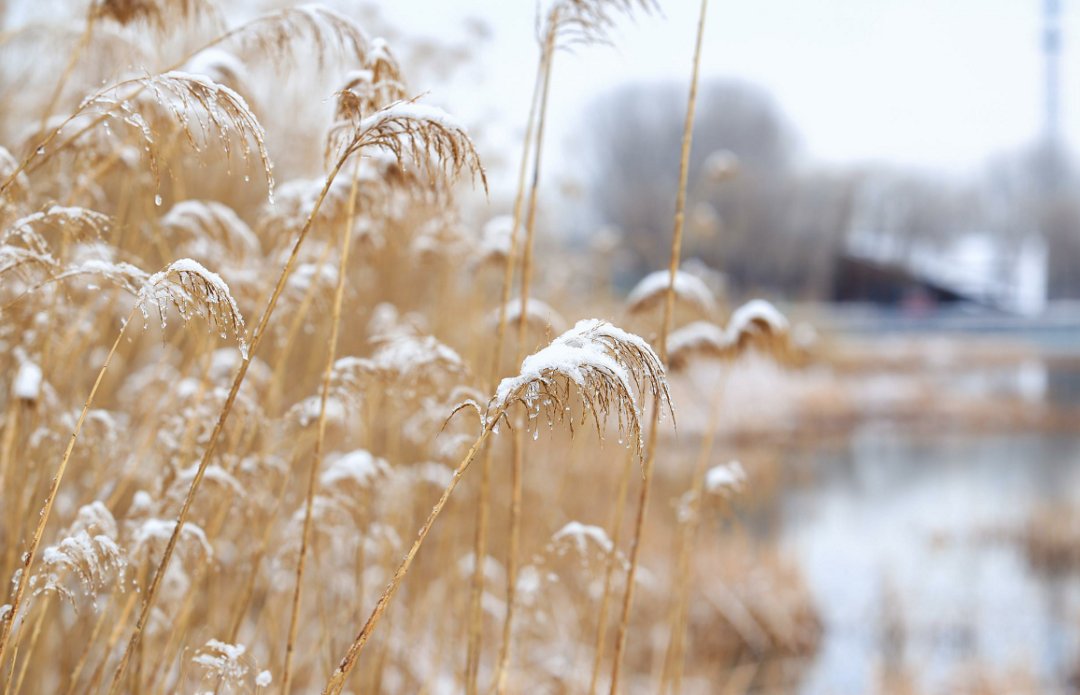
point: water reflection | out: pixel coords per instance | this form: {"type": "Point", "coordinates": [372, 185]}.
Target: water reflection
{"type": "Point", "coordinates": [908, 543]}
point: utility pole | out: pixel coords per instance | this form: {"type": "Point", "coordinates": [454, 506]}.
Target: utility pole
{"type": "Point", "coordinates": [1051, 145]}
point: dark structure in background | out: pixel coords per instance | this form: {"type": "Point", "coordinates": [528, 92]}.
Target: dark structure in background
{"type": "Point", "coordinates": [784, 228]}
{"type": "Point", "coordinates": [865, 281]}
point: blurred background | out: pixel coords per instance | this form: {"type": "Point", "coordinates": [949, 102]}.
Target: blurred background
{"type": "Point", "coordinates": [896, 177]}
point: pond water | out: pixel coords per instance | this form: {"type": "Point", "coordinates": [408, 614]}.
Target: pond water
{"type": "Point", "coordinates": [907, 541]}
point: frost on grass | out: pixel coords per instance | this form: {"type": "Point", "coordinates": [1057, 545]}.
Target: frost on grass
{"type": "Point", "coordinates": [151, 534]}
{"type": "Point", "coordinates": [582, 536]}
{"type": "Point", "coordinates": [86, 561]}
{"type": "Point", "coordinates": [604, 368]}
{"type": "Point", "coordinates": [651, 290]}
{"type": "Point", "coordinates": [760, 314]}
{"type": "Point", "coordinates": [193, 290]}
{"type": "Point", "coordinates": [221, 667]}
{"type": "Point", "coordinates": [756, 322]}
{"type": "Point", "coordinates": [211, 117]}
{"type": "Point", "coordinates": [356, 468]}
{"type": "Point", "coordinates": [725, 479]}
{"type": "Point", "coordinates": [208, 226]}
{"type": "Point", "coordinates": [76, 222]}
{"type": "Point", "coordinates": [496, 240]}
{"type": "Point", "coordinates": [417, 135]}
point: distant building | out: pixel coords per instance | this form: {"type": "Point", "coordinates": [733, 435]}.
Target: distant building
{"type": "Point", "coordinates": [917, 276]}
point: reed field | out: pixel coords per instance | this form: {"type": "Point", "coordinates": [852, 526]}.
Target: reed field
{"type": "Point", "coordinates": [296, 399]}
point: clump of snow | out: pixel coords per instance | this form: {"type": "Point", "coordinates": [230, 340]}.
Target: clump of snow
{"type": "Point", "coordinates": [395, 115]}
{"type": "Point", "coordinates": [757, 311]}
{"type": "Point", "coordinates": [27, 384]}
{"type": "Point", "coordinates": [688, 288]}
{"type": "Point", "coordinates": [536, 311]}
{"type": "Point", "coordinates": [581, 535]}
{"type": "Point", "coordinates": [358, 466]}
{"type": "Point", "coordinates": [725, 479]}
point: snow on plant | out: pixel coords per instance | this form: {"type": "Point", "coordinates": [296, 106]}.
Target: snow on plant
{"type": "Point", "coordinates": [202, 221]}
{"type": "Point", "coordinates": [211, 117]}
{"type": "Point", "coordinates": [417, 135]}
{"type": "Point", "coordinates": [192, 289]}
{"type": "Point", "coordinates": [725, 479]}
{"type": "Point", "coordinates": [651, 290]}
{"type": "Point", "coordinates": [224, 668]}
{"type": "Point", "coordinates": [605, 367]}
{"type": "Point", "coordinates": [538, 314]}
{"type": "Point", "coordinates": [756, 322]}
{"type": "Point", "coordinates": [88, 552]}
{"type": "Point", "coordinates": [759, 314]}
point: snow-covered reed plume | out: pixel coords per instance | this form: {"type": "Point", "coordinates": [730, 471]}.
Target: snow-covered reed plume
{"type": "Point", "coordinates": [302, 30]}
{"type": "Point", "coordinates": [725, 479]}
{"type": "Point", "coordinates": [576, 22]}
{"type": "Point", "coordinates": [605, 367]}
{"type": "Point", "coordinates": [207, 226]}
{"type": "Point", "coordinates": [162, 15]}
{"type": "Point", "coordinates": [193, 290]}
{"type": "Point", "coordinates": [754, 324]}
{"type": "Point", "coordinates": [417, 135]}
{"type": "Point", "coordinates": [538, 314]}
{"type": "Point", "coordinates": [212, 117]}
{"type": "Point", "coordinates": [74, 222]}
{"type": "Point", "coordinates": [226, 669]}
{"type": "Point", "coordinates": [690, 290]}
{"type": "Point", "coordinates": [378, 84]}
{"type": "Point", "coordinates": [88, 553]}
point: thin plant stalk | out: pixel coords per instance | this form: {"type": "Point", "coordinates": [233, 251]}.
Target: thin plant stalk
{"type": "Point", "coordinates": [673, 658]}
{"type": "Point", "coordinates": [480, 540]}
{"type": "Point", "coordinates": [320, 439]}
{"type": "Point", "coordinates": [665, 328]}
{"type": "Point", "coordinates": [609, 572]}
{"type": "Point", "coordinates": [526, 278]}
{"type": "Point", "coordinates": [219, 426]}
{"type": "Point", "coordinates": [43, 517]}
{"type": "Point", "coordinates": [73, 59]}
{"type": "Point", "coordinates": [337, 680]}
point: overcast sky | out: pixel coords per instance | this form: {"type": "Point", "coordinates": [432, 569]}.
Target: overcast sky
{"type": "Point", "coordinates": [924, 82]}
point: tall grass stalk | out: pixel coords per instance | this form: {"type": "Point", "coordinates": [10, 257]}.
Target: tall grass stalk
{"type": "Point", "coordinates": [219, 426]}
{"type": "Point", "coordinates": [320, 439]}
{"type": "Point", "coordinates": [337, 680]}
{"type": "Point", "coordinates": [475, 643]}
{"type": "Point", "coordinates": [665, 328]}
{"type": "Point", "coordinates": [30, 553]}
{"type": "Point", "coordinates": [505, 648]}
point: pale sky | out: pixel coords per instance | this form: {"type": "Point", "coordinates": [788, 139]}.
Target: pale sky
{"type": "Point", "coordinates": [922, 82]}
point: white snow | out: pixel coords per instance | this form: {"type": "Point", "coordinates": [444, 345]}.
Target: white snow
{"type": "Point", "coordinates": [689, 288]}
{"type": "Point", "coordinates": [358, 466]}
{"type": "Point", "coordinates": [410, 111]}
{"type": "Point", "coordinates": [699, 335]}
{"type": "Point", "coordinates": [535, 310]}
{"type": "Point", "coordinates": [725, 478]}
{"type": "Point", "coordinates": [571, 354]}
{"type": "Point", "coordinates": [756, 310]}
{"type": "Point", "coordinates": [581, 534]}
{"type": "Point", "coordinates": [28, 382]}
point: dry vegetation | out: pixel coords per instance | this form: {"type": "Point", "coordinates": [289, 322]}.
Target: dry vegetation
{"type": "Point", "coordinates": [233, 396]}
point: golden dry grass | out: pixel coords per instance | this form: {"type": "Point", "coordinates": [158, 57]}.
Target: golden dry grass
{"type": "Point", "coordinates": [242, 509]}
